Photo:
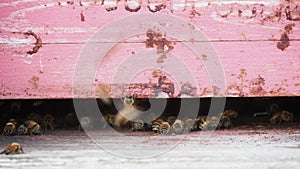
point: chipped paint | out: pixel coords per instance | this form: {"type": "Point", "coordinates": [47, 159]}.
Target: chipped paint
{"type": "Point", "coordinates": [252, 38]}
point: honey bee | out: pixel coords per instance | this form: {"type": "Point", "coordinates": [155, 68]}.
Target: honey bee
{"type": "Point", "coordinates": [15, 107]}
{"type": "Point", "coordinates": [276, 118]}
{"type": "Point", "coordinates": [164, 128]}
{"type": "Point", "coordinates": [156, 125]}
{"type": "Point", "coordinates": [85, 123]}
{"type": "Point", "coordinates": [230, 113]}
{"type": "Point", "coordinates": [280, 116]}
{"type": "Point", "coordinates": [190, 125]}
{"type": "Point", "coordinates": [71, 120]}
{"type": "Point", "coordinates": [33, 127]}
{"type": "Point", "coordinates": [35, 117]}
{"type": "Point", "coordinates": [127, 114]}
{"type": "Point", "coordinates": [37, 103]}
{"type": "Point", "coordinates": [22, 130]}
{"type": "Point", "coordinates": [13, 148]}
{"type": "Point", "coordinates": [48, 122]}
{"type": "Point", "coordinates": [200, 123]}
{"type": "Point", "coordinates": [211, 123]}
{"type": "Point", "coordinates": [148, 121]}
{"type": "Point", "coordinates": [224, 123]}
{"type": "Point", "coordinates": [287, 117]}
{"type": "Point", "coordinates": [138, 125]}
{"type": "Point", "coordinates": [171, 119]}
{"type": "Point", "coordinates": [10, 128]}
{"type": "Point", "coordinates": [178, 127]}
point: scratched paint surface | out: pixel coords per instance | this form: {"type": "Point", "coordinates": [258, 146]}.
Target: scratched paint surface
{"type": "Point", "coordinates": [257, 43]}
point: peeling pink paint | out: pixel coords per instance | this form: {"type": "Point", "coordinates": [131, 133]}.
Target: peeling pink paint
{"type": "Point", "coordinates": [246, 40]}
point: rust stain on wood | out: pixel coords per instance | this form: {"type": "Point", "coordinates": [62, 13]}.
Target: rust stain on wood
{"type": "Point", "coordinates": [38, 42]}
{"type": "Point", "coordinates": [239, 31]}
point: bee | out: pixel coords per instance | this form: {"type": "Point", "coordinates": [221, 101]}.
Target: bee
{"type": "Point", "coordinates": [15, 107]}
{"type": "Point", "coordinates": [35, 117]}
{"type": "Point", "coordinates": [138, 125]}
{"type": "Point", "coordinates": [71, 120]}
{"type": "Point", "coordinates": [37, 103]}
{"type": "Point", "coordinates": [211, 123]}
{"type": "Point", "coordinates": [190, 125]}
{"type": "Point", "coordinates": [110, 119]}
{"type": "Point", "coordinates": [164, 128]}
{"type": "Point", "coordinates": [178, 127]}
{"type": "Point", "coordinates": [22, 130]}
{"type": "Point", "coordinates": [10, 128]}
{"type": "Point", "coordinates": [200, 123]}
{"type": "Point", "coordinates": [148, 121]}
{"type": "Point", "coordinates": [230, 113]}
{"type": "Point", "coordinates": [85, 123]}
{"type": "Point", "coordinates": [276, 118]}
{"type": "Point", "coordinates": [13, 148]}
{"type": "Point", "coordinates": [287, 117]}
{"type": "Point", "coordinates": [156, 125]}
{"type": "Point", "coordinates": [33, 127]}
{"type": "Point", "coordinates": [48, 122]}
{"type": "Point", "coordinates": [224, 123]}
{"type": "Point", "coordinates": [280, 116]}
{"type": "Point", "coordinates": [171, 119]}
{"type": "Point", "coordinates": [127, 114]}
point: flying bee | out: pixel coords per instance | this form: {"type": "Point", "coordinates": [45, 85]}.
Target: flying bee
{"type": "Point", "coordinates": [164, 128]}
{"type": "Point", "coordinates": [48, 122]}
{"type": "Point", "coordinates": [127, 114]}
{"type": "Point", "coordinates": [156, 125]}
{"type": "Point", "coordinates": [171, 119]}
{"type": "Point", "coordinates": [13, 148]}
{"type": "Point", "coordinates": [33, 127]}
{"type": "Point", "coordinates": [10, 128]}
{"type": "Point", "coordinates": [22, 130]}
{"type": "Point", "coordinates": [287, 117]}
{"type": "Point", "coordinates": [178, 127]}
{"type": "Point", "coordinates": [190, 125]}
{"type": "Point", "coordinates": [138, 125]}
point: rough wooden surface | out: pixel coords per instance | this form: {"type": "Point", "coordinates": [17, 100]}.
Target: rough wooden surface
{"type": "Point", "coordinates": [257, 148]}
{"type": "Point", "coordinates": [257, 43]}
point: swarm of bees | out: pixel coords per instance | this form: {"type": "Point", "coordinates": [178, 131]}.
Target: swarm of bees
{"type": "Point", "coordinates": [29, 127]}
{"type": "Point", "coordinates": [13, 148]}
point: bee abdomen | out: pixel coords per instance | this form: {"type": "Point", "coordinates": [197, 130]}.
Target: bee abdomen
{"type": "Point", "coordinates": [13, 148]}
{"type": "Point", "coordinates": [164, 128]}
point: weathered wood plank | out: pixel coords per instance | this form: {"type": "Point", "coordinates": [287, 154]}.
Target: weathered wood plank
{"type": "Point", "coordinates": [257, 43]}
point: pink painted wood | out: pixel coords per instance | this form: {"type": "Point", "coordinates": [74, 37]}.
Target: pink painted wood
{"type": "Point", "coordinates": [257, 43]}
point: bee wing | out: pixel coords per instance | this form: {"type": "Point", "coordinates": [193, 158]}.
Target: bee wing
{"type": "Point", "coordinates": [125, 115]}
{"type": "Point", "coordinates": [103, 91]}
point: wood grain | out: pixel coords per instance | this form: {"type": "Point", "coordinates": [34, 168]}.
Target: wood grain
{"type": "Point", "coordinates": [257, 43]}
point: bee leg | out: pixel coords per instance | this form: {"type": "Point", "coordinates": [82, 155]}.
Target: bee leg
{"type": "Point", "coordinates": [20, 150]}
{"type": "Point", "coordinates": [30, 132]}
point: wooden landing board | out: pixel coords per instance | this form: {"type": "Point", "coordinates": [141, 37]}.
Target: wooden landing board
{"type": "Point", "coordinates": [244, 48]}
